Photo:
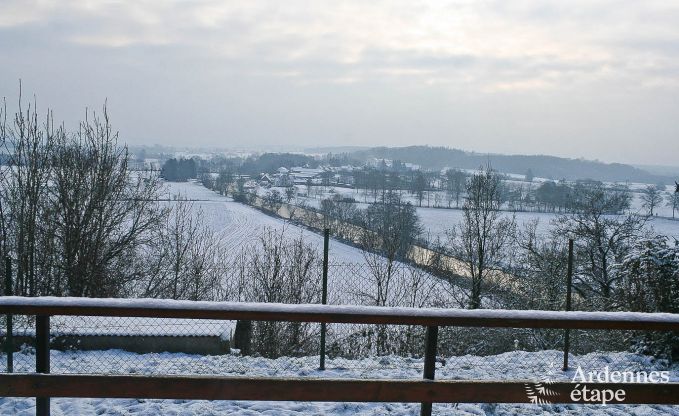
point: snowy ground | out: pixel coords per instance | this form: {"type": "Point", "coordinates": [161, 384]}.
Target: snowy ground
{"type": "Point", "coordinates": [125, 326]}
{"type": "Point", "coordinates": [524, 366]}
{"type": "Point", "coordinates": [239, 225]}
{"type": "Point", "coordinates": [436, 221]}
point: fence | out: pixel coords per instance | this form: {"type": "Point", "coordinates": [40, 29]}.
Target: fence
{"type": "Point", "coordinates": [114, 343]}
{"type": "Point", "coordinates": [116, 382]}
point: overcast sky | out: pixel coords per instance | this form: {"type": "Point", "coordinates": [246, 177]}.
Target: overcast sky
{"type": "Point", "coordinates": [576, 78]}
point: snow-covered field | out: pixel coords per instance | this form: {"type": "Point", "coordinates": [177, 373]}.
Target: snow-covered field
{"type": "Point", "coordinates": [517, 365]}
{"type": "Point", "coordinates": [435, 222]}
{"type": "Point", "coordinates": [238, 226]}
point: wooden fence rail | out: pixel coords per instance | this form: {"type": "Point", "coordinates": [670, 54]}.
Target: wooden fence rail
{"type": "Point", "coordinates": [426, 391]}
{"type": "Point", "coordinates": [156, 308]}
{"type": "Point", "coordinates": [311, 390]}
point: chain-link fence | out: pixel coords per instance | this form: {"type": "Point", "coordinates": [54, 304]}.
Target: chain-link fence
{"type": "Point", "coordinates": [157, 346]}
{"type": "Point", "coordinates": [125, 345]}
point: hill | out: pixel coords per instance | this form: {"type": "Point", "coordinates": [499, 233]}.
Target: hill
{"type": "Point", "coordinates": [552, 167]}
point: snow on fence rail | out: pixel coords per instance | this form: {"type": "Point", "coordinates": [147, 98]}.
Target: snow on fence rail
{"type": "Point", "coordinates": [161, 308]}
{"type": "Point", "coordinates": [305, 389]}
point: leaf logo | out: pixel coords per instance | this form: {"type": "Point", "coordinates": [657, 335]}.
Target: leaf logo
{"type": "Point", "coordinates": [540, 392]}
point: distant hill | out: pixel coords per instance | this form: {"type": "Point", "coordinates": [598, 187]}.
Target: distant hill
{"type": "Point", "coordinates": [335, 149]}
{"type": "Point", "coordinates": [672, 171]}
{"type": "Point", "coordinates": [541, 165]}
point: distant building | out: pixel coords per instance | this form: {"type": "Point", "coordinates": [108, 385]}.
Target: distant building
{"type": "Point", "coordinates": [388, 164]}
{"type": "Point", "coordinates": [265, 180]}
{"type": "Point", "coordinates": [300, 176]}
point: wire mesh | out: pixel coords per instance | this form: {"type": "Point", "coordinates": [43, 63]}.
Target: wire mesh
{"type": "Point", "coordinates": [158, 346]}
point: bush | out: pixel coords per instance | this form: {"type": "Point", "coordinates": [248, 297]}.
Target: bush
{"type": "Point", "coordinates": [650, 283]}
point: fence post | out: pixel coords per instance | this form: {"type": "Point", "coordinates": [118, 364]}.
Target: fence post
{"type": "Point", "coordinates": [429, 372]}
{"type": "Point", "coordinates": [569, 284]}
{"type": "Point", "coordinates": [324, 293]}
{"type": "Point", "coordinates": [9, 342]}
{"type": "Point", "coordinates": [42, 359]}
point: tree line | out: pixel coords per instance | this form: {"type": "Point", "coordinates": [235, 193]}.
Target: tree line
{"type": "Point", "coordinates": [439, 189]}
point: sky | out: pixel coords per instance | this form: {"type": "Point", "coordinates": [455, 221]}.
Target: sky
{"type": "Point", "coordinates": [597, 79]}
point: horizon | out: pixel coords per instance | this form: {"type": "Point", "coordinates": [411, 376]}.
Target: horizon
{"type": "Point", "coordinates": [329, 149]}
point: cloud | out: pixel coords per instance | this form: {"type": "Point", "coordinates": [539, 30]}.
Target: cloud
{"type": "Point", "coordinates": [546, 40]}
{"type": "Point", "coordinates": [257, 53]}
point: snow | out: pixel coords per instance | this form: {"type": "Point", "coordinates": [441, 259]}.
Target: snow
{"type": "Point", "coordinates": [102, 325]}
{"type": "Point", "coordinates": [314, 312]}
{"type": "Point", "coordinates": [238, 225]}
{"type": "Point", "coordinates": [515, 365]}
{"type": "Point", "coordinates": [436, 221]}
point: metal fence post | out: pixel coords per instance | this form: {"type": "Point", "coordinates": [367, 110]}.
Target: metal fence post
{"type": "Point", "coordinates": [429, 372]}
{"type": "Point", "coordinates": [324, 293]}
{"type": "Point", "coordinates": [9, 342]}
{"type": "Point", "coordinates": [569, 284]}
{"type": "Point", "coordinates": [42, 359]}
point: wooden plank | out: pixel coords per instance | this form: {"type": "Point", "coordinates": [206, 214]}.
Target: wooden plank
{"type": "Point", "coordinates": [340, 314]}
{"type": "Point", "coordinates": [311, 390]}
{"type": "Point", "coordinates": [429, 371]}
{"type": "Point", "coordinates": [42, 360]}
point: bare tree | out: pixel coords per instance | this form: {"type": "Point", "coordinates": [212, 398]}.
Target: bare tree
{"type": "Point", "coordinates": [340, 215]}
{"type": "Point", "coordinates": [540, 270]}
{"type": "Point", "coordinates": [281, 270]}
{"type": "Point", "coordinates": [223, 181]}
{"type": "Point", "coordinates": [673, 201]}
{"type": "Point", "coordinates": [273, 201]}
{"type": "Point", "coordinates": [290, 193]}
{"type": "Point", "coordinates": [396, 285]}
{"type": "Point", "coordinates": [390, 229]}
{"type": "Point", "coordinates": [419, 187]}
{"type": "Point", "coordinates": [481, 240]}
{"type": "Point", "coordinates": [455, 185]}
{"type": "Point", "coordinates": [601, 240]}
{"type": "Point", "coordinates": [183, 258]}
{"type": "Point", "coordinates": [102, 215]}
{"type": "Point", "coordinates": [28, 143]}
{"type": "Point", "coordinates": [417, 289]}
{"type": "Point", "coordinates": [651, 197]}
{"type": "Point", "coordinates": [538, 280]}
{"type": "Point", "coordinates": [72, 213]}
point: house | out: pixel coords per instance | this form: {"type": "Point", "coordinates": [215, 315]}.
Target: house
{"type": "Point", "coordinates": [265, 180]}
{"type": "Point", "coordinates": [301, 176]}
